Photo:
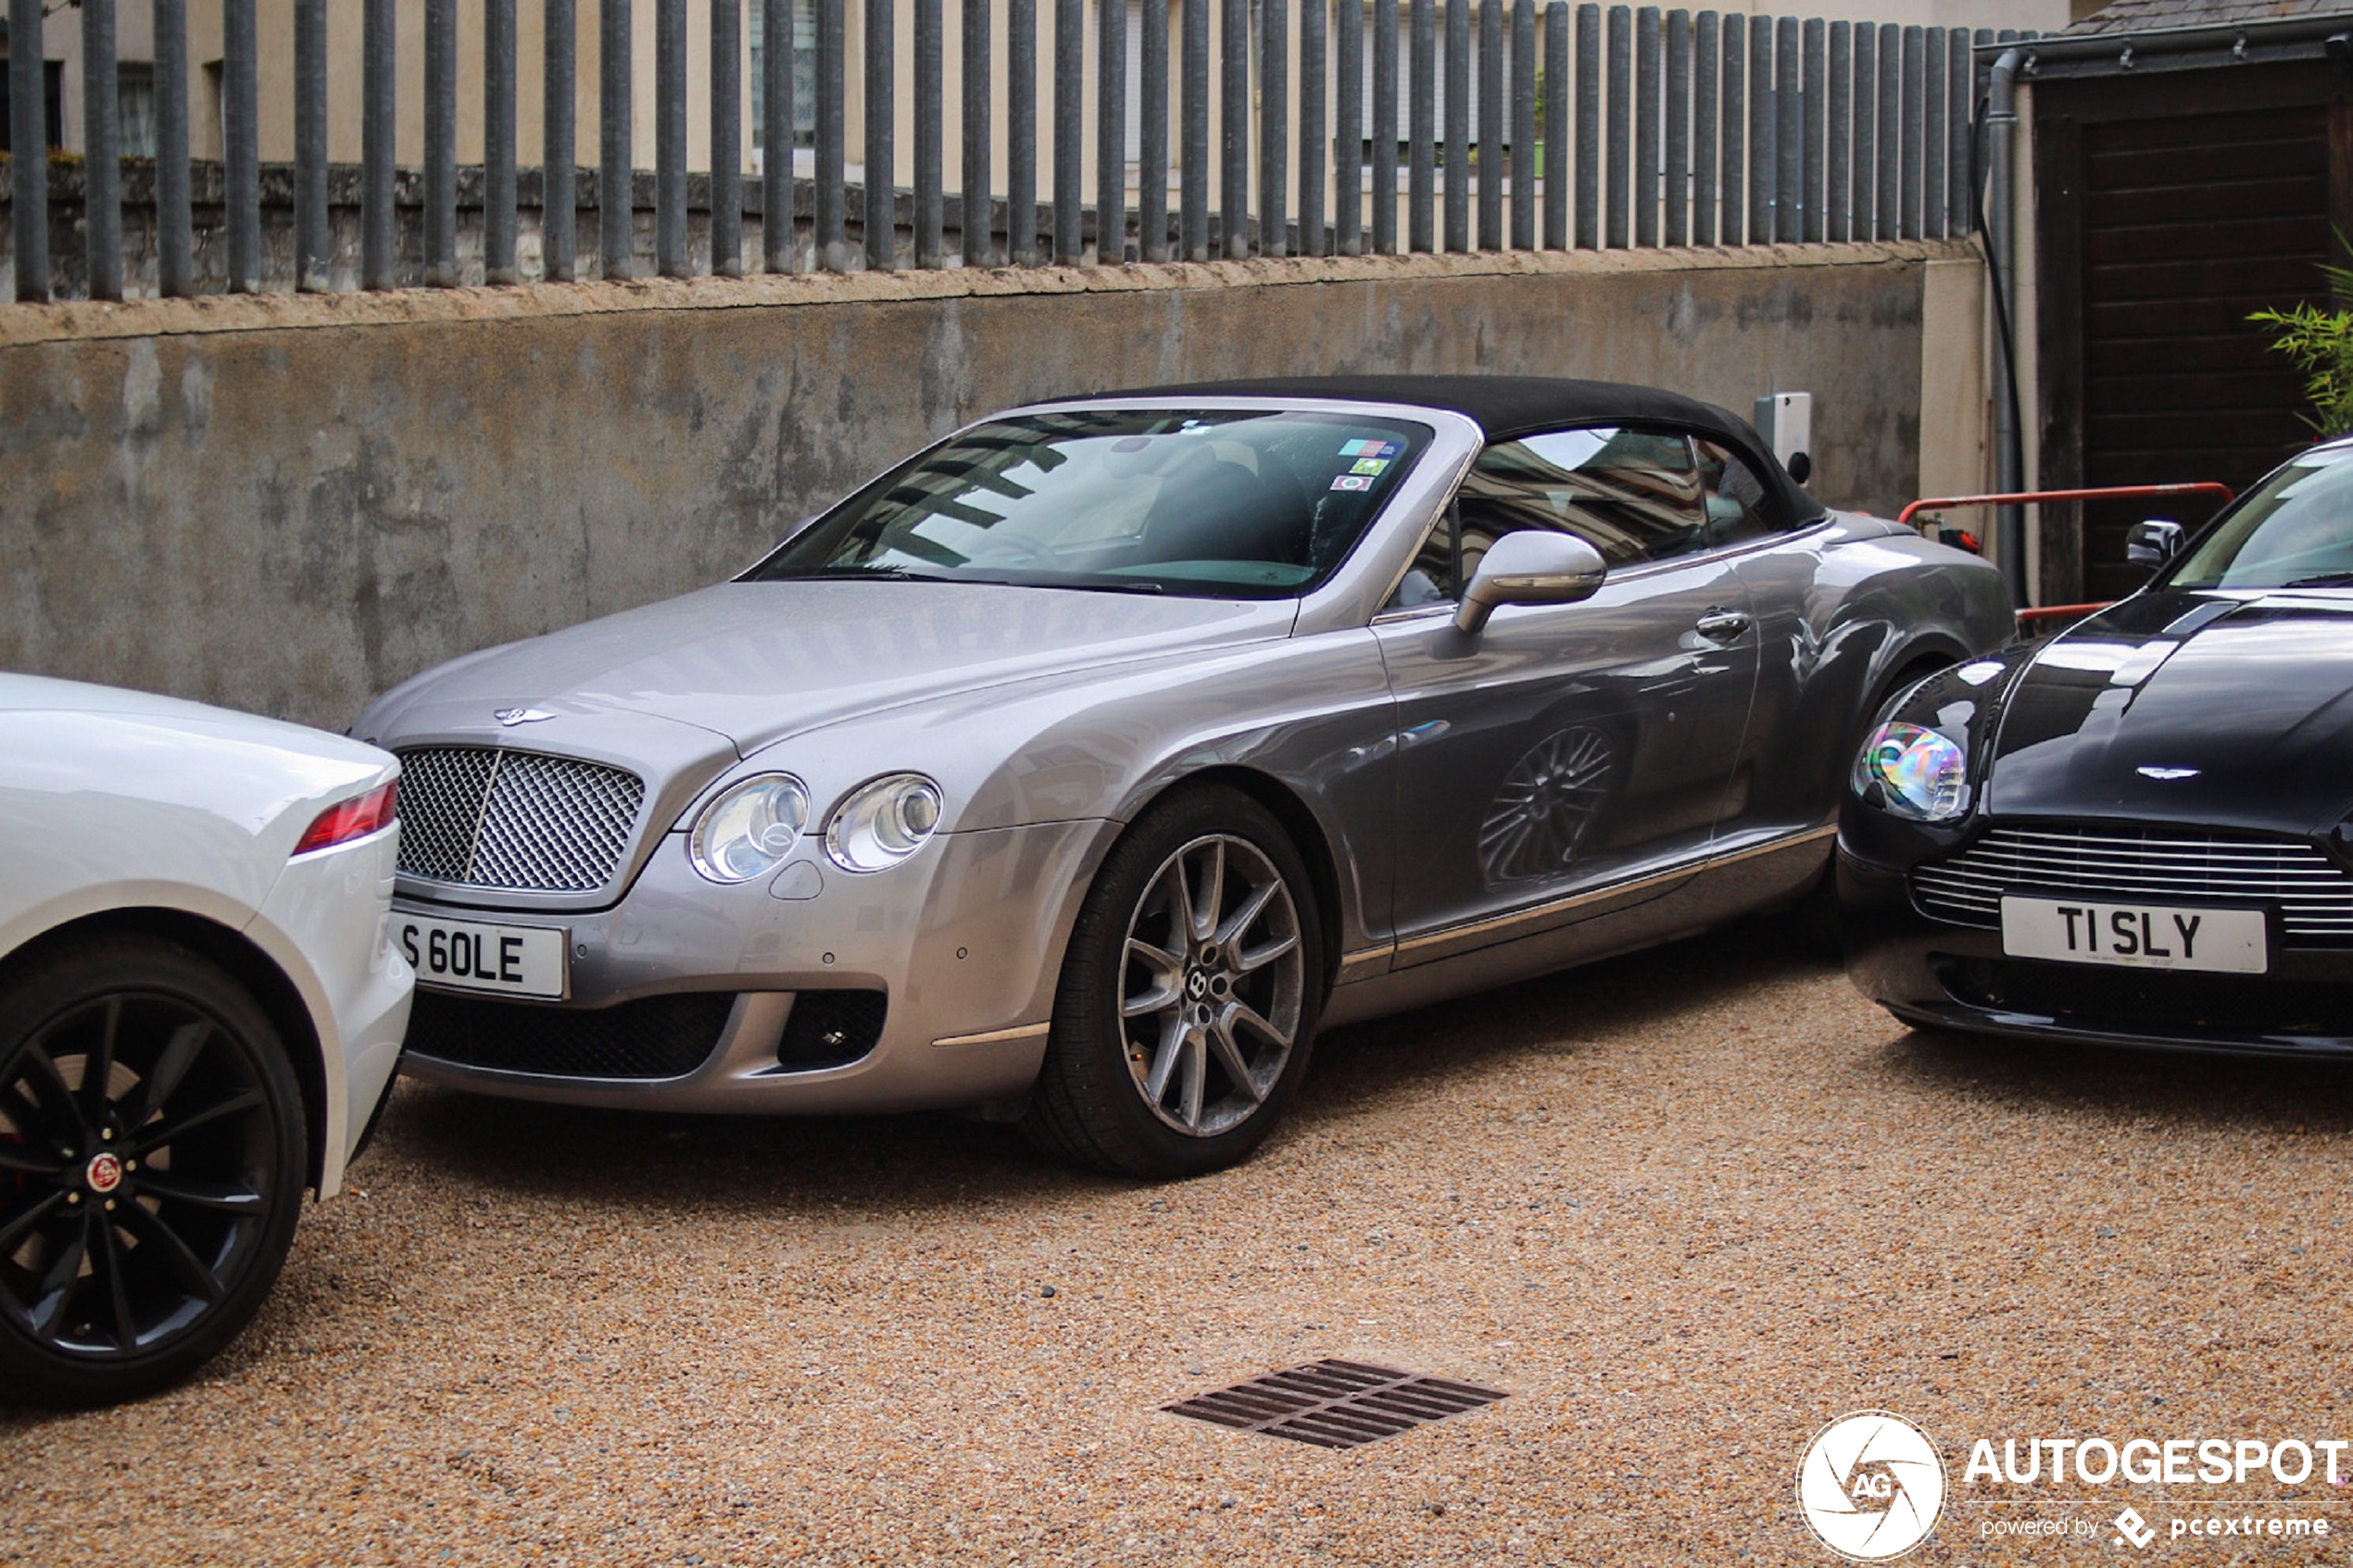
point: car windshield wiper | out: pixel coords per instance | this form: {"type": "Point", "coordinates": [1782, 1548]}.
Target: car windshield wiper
{"type": "Point", "coordinates": [851, 574]}
{"type": "Point", "coordinates": [2325, 580]}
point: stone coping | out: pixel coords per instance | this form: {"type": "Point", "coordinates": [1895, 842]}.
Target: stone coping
{"type": "Point", "coordinates": [71, 321]}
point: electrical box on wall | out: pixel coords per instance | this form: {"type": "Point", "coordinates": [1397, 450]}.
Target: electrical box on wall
{"type": "Point", "coordinates": [1786, 421]}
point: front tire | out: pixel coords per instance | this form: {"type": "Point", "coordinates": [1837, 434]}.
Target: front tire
{"type": "Point", "coordinates": [153, 1151]}
{"type": "Point", "coordinates": [1188, 1002]}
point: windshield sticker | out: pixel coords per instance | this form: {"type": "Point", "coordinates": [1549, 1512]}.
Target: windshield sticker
{"type": "Point", "coordinates": [1352, 482]}
{"type": "Point", "coordinates": [1369, 465]}
{"type": "Point", "coordinates": [1370, 448]}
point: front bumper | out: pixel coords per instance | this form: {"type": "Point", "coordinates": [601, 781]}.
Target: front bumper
{"type": "Point", "coordinates": [1934, 973]}
{"type": "Point", "coordinates": [961, 944]}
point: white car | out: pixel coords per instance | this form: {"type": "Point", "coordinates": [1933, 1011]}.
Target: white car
{"type": "Point", "coordinates": [199, 1016]}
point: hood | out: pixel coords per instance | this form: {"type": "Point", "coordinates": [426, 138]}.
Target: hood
{"type": "Point", "coordinates": [756, 661]}
{"type": "Point", "coordinates": [2229, 710]}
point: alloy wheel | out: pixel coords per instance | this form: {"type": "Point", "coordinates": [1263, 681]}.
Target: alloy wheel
{"type": "Point", "coordinates": [138, 1168]}
{"type": "Point", "coordinates": [1211, 985]}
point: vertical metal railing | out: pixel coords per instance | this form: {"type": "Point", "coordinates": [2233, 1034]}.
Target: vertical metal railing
{"type": "Point", "coordinates": [881, 226]}
{"type": "Point", "coordinates": [727, 138]}
{"type": "Point", "coordinates": [1617, 174]}
{"type": "Point", "coordinates": [1839, 130]}
{"type": "Point", "coordinates": [616, 203]}
{"type": "Point", "coordinates": [1021, 132]}
{"type": "Point", "coordinates": [1348, 132]}
{"type": "Point", "coordinates": [497, 141]}
{"type": "Point", "coordinates": [1490, 146]}
{"type": "Point", "coordinates": [1151, 137]}
{"type": "Point", "coordinates": [1458, 125]}
{"type": "Point", "coordinates": [1183, 129]}
{"type": "Point", "coordinates": [558, 165]}
{"type": "Point", "coordinates": [1649, 82]}
{"type": "Point", "coordinates": [1676, 225]}
{"type": "Point", "coordinates": [1762, 126]}
{"type": "Point", "coordinates": [1731, 166]}
{"type": "Point", "coordinates": [1707, 94]}
{"type": "Point", "coordinates": [1193, 174]}
{"type": "Point", "coordinates": [1314, 103]}
{"type": "Point", "coordinates": [1524, 175]}
{"type": "Point", "coordinates": [977, 236]}
{"type": "Point", "coordinates": [1110, 137]}
{"type": "Point", "coordinates": [240, 143]}
{"type": "Point", "coordinates": [832, 129]}
{"type": "Point", "coordinates": [1557, 124]}
{"type": "Point", "coordinates": [1070, 155]}
{"type": "Point", "coordinates": [1421, 175]}
{"type": "Point", "coordinates": [441, 142]}
{"type": "Point", "coordinates": [102, 182]}
{"type": "Point", "coordinates": [1274, 108]}
{"type": "Point", "coordinates": [931, 135]}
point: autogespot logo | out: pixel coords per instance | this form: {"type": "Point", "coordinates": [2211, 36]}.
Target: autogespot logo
{"type": "Point", "coordinates": [1871, 1486]}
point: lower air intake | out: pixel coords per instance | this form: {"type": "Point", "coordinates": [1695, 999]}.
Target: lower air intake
{"type": "Point", "coordinates": [657, 1038]}
{"type": "Point", "coordinates": [831, 1028]}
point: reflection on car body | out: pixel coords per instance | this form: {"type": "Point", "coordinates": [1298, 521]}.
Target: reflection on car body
{"type": "Point", "coordinates": [1078, 768]}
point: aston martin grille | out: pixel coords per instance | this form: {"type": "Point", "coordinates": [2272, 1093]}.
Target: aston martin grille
{"type": "Point", "coordinates": [2313, 893]}
{"type": "Point", "coordinates": [485, 816]}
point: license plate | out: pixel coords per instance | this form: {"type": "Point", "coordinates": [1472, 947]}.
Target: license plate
{"type": "Point", "coordinates": [2139, 935]}
{"type": "Point", "coordinates": [463, 955]}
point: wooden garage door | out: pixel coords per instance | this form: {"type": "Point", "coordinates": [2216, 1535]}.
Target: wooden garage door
{"type": "Point", "coordinates": [2190, 222]}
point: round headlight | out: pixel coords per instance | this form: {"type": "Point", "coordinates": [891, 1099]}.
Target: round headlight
{"type": "Point", "coordinates": [883, 823]}
{"type": "Point", "coordinates": [751, 827]}
{"type": "Point", "coordinates": [1921, 775]}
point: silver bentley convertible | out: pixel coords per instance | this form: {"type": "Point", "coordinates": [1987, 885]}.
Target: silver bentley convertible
{"type": "Point", "coordinates": [1077, 769]}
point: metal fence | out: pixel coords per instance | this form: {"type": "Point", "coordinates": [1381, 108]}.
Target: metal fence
{"type": "Point", "coordinates": [1326, 127]}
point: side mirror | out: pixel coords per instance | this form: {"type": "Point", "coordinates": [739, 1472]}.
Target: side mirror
{"type": "Point", "coordinates": [1530, 568]}
{"type": "Point", "coordinates": [2153, 543]}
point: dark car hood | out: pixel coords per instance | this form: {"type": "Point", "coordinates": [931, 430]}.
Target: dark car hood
{"type": "Point", "coordinates": [755, 661]}
{"type": "Point", "coordinates": [2232, 710]}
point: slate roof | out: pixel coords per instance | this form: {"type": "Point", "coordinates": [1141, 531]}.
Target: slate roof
{"type": "Point", "coordinates": [2142, 16]}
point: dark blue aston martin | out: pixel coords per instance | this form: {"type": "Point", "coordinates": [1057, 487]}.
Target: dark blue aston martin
{"type": "Point", "coordinates": [2142, 830]}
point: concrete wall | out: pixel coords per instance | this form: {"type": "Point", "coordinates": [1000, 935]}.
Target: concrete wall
{"type": "Point", "coordinates": [289, 503]}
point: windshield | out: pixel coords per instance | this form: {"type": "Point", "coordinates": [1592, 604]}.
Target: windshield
{"type": "Point", "coordinates": [1212, 504]}
{"type": "Point", "coordinates": [2293, 531]}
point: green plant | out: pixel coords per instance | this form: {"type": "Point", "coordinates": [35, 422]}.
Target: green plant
{"type": "Point", "coordinates": [2321, 342]}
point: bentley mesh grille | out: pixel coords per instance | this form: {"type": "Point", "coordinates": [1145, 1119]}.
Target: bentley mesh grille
{"type": "Point", "coordinates": [2314, 894]}
{"type": "Point", "coordinates": [518, 821]}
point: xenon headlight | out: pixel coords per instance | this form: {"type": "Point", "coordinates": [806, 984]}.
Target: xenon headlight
{"type": "Point", "coordinates": [751, 827]}
{"type": "Point", "coordinates": [1921, 775]}
{"type": "Point", "coordinates": [883, 823]}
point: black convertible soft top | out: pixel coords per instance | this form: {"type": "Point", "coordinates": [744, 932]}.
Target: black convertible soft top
{"type": "Point", "coordinates": [1506, 407]}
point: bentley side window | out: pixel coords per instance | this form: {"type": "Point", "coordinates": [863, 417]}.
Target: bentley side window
{"type": "Point", "coordinates": [1739, 505]}
{"type": "Point", "coordinates": [1431, 580]}
{"type": "Point", "coordinates": [1633, 494]}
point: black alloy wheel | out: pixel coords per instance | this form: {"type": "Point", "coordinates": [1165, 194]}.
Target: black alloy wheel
{"type": "Point", "coordinates": [152, 1162]}
{"type": "Point", "coordinates": [1189, 996]}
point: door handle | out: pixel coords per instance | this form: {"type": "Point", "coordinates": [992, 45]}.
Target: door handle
{"type": "Point", "coordinates": [1722, 625]}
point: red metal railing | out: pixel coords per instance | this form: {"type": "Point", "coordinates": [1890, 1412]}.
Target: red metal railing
{"type": "Point", "coordinates": [2028, 619]}
{"type": "Point", "coordinates": [2105, 493]}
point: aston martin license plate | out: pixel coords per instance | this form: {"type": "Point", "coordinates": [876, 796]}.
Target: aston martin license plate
{"type": "Point", "coordinates": [459, 955]}
{"type": "Point", "coordinates": [2141, 935]}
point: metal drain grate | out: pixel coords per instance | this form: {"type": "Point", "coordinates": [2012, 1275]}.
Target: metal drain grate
{"type": "Point", "coordinates": [1336, 1404]}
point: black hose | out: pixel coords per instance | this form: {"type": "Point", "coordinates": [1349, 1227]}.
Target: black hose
{"type": "Point", "coordinates": [2001, 309]}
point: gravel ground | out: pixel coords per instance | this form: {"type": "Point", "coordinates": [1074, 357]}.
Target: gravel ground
{"type": "Point", "coordinates": [1686, 1207]}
